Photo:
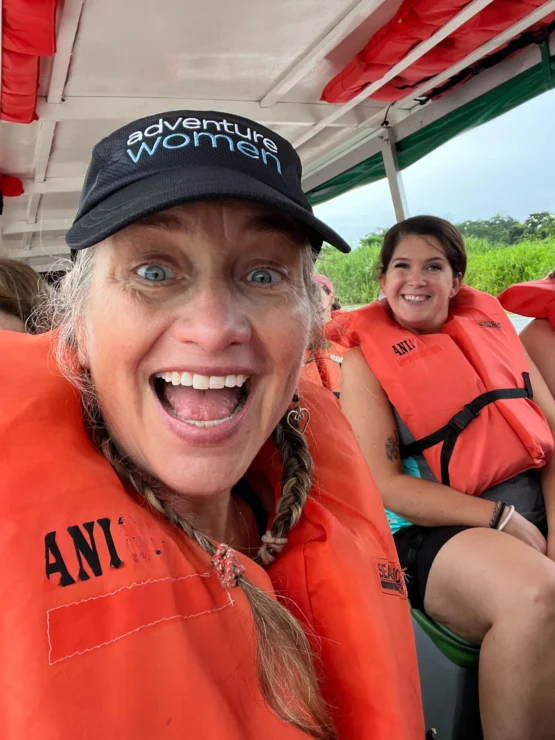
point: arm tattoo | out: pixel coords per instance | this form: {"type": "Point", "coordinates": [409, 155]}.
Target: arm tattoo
{"type": "Point", "coordinates": [392, 447]}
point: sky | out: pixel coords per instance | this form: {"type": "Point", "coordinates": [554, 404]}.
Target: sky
{"type": "Point", "coordinates": [505, 166]}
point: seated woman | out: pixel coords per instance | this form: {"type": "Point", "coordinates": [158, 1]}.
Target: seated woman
{"type": "Point", "coordinates": [536, 299]}
{"type": "Point", "coordinates": [439, 394]}
{"type": "Point", "coordinates": [330, 302]}
{"type": "Point", "coordinates": [323, 363]}
{"type": "Point", "coordinates": [165, 545]}
{"type": "Point", "coordinates": [22, 291]}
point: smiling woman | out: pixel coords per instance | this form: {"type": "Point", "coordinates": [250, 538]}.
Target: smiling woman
{"type": "Point", "coordinates": [438, 389]}
{"type": "Point", "coordinates": [213, 293]}
{"type": "Point", "coordinates": [195, 570]}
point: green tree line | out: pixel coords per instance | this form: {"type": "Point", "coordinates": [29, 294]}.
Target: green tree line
{"type": "Point", "coordinates": [501, 251]}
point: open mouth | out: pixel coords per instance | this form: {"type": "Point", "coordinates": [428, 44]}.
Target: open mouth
{"type": "Point", "coordinates": [201, 400]}
{"type": "Point", "coordinates": [414, 298]}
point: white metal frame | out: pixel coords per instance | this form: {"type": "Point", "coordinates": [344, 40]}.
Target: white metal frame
{"type": "Point", "coordinates": [292, 114]}
{"type": "Point", "coordinates": [341, 30]}
{"type": "Point", "coordinates": [67, 33]}
{"type": "Point", "coordinates": [393, 174]}
{"type": "Point", "coordinates": [344, 157]}
{"type": "Point", "coordinates": [474, 56]}
{"type": "Point", "coordinates": [71, 14]}
{"type": "Point", "coordinates": [315, 175]}
{"type": "Point", "coordinates": [353, 130]}
{"type": "Point", "coordinates": [423, 48]}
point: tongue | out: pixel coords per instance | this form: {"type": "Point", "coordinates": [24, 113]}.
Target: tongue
{"type": "Point", "coordinates": [189, 403]}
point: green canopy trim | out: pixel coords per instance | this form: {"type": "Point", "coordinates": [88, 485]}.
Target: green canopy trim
{"type": "Point", "coordinates": [488, 106]}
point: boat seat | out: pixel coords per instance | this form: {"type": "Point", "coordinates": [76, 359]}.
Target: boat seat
{"type": "Point", "coordinates": [460, 652]}
{"type": "Point", "coordinates": [448, 668]}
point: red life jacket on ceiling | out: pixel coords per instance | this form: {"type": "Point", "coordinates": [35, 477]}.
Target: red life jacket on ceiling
{"type": "Point", "coordinates": [113, 623]}
{"type": "Point", "coordinates": [535, 299]}
{"type": "Point", "coordinates": [416, 21]}
{"type": "Point", "coordinates": [464, 393]}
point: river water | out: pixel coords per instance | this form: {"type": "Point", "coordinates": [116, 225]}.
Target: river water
{"type": "Point", "coordinates": [519, 322]}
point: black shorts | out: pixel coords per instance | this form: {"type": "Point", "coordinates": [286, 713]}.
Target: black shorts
{"type": "Point", "coordinates": [417, 548]}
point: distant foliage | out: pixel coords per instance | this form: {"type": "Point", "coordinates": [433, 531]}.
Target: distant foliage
{"type": "Point", "coordinates": [501, 251]}
{"type": "Point", "coordinates": [497, 230]}
{"type": "Point", "coordinates": [495, 270]}
{"type": "Point", "coordinates": [353, 275]}
{"type": "Point", "coordinates": [507, 230]}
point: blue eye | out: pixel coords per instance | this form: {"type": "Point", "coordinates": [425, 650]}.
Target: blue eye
{"type": "Point", "coordinates": [155, 273]}
{"type": "Point", "coordinates": [264, 276]}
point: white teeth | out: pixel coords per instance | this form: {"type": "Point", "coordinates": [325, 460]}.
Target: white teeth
{"type": "Point", "coordinates": [217, 381]}
{"type": "Point", "coordinates": [201, 382]}
{"type": "Point", "coordinates": [213, 423]}
{"type": "Point", "coordinates": [415, 298]}
{"type": "Point", "coordinates": [187, 379]}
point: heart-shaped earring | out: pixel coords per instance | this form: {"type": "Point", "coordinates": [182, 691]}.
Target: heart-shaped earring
{"type": "Point", "coordinates": [299, 419]}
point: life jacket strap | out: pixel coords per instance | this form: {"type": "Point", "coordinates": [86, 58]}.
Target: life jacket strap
{"type": "Point", "coordinates": [449, 433]}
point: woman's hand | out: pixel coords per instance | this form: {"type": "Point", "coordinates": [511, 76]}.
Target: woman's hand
{"type": "Point", "coordinates": [524, 530]}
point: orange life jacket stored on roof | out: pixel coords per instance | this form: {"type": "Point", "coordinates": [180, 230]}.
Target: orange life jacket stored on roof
{"type": "Point", "coordinates": [535, 299]}
{"type": "Point", "coordinates": [464, 393]}
{"type": "Point", "coordinates": [324, 368]}
{"type": "Point", "coordinates": [415, 21]}
{"type": "Point", "coordinates": [113, 624]}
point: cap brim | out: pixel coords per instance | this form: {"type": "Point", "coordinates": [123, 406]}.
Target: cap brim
{"type": "Point", "coordinates": [175, 186]}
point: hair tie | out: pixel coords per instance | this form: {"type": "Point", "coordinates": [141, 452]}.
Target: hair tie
{"type": "Point", "coordinates": [227, 566]}
{"type": "Point", "coordinates": [271, 548]}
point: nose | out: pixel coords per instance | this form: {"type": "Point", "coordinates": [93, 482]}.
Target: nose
{"type": "Point", "coordinates": [417, 277]}
{"type": "Point", "coordinates": [214, 319]}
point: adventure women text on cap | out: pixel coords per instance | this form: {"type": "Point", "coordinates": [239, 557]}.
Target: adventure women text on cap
{"type": "Point", "coordinates": [185, 156]}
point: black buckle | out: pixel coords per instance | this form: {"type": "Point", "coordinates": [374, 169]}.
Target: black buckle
{"type": "Point", "coordinates": [528, 385]}
{"type": "Point", "coordinates": [461, 420]}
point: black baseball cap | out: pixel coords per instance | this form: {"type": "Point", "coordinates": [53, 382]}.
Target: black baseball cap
{"type": "Point", "coordinates": [185, 156]}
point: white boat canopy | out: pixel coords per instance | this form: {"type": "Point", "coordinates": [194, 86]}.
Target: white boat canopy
{"type": "Point", "coordinates": [266, 60]}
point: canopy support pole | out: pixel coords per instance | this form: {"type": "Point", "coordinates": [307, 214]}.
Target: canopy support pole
{"type": "Point", "coordinates": [393, 173]}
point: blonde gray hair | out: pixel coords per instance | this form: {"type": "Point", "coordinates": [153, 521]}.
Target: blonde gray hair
{"type": "Point", "coordinates": [286, 672]}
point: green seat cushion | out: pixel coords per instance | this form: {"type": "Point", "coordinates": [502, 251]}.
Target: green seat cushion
{"type": "Point", "coordinates": [458, 651]}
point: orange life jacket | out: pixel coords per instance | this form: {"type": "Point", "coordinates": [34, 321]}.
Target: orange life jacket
{"type": "Point", "coordinates": [464, 394]}
{"type": "Point", "coordinates": [535, 299]}
{"type": "Point", "coordinates": [415, 21]}
{"type": "Point", "coordinates": [324, 368]}
{"type": "Point", "coordinates": [113, 624]}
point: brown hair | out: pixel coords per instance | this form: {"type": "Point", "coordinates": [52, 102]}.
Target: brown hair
{"type": "Point", "coordinates": [285, 663]}
{"type": "Point", "coordinates": [22, 290]}
{"type": "Point", "coordinates": [447, 235]}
